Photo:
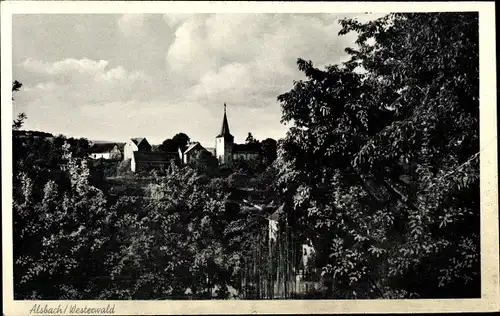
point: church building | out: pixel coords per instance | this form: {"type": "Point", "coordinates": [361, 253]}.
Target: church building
{"type": "Point", "coordinates": [142, 156]}
{"type": "Point", "coordinates": [226, 151]}
{"type": "Point", "coordinates": [224, 142]}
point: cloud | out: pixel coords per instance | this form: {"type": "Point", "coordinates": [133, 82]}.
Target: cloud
{"type": "Point", "coordinates": [175, 19]}
{"type": "Point", "coordinates": [156, 75]}
{"type": "Point", "coordinates": [81, 80]}
{"type": "Point", "coordinates": [131, 24]}
{"type": "Point", "coordinates": [249, 59]}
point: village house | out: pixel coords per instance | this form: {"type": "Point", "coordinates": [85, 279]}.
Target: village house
{"type": "Point", "coordinates": [246, 151]}
{"type": "Point", "coordinates": [147, 160]}
{"type": "Point", "coordinates": [135, 144]}
{"type": "Point", "coordinates": [191, 152]}
{"type": "Point", "coordinates": [105, 151]}
{"type": "Point", "coordinates": [140, 152]}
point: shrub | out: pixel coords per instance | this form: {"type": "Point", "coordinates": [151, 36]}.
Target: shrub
{"type": "Point", "coordinates": [124, 168]}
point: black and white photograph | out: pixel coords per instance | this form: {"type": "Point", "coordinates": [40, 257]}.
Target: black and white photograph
{"type": "Point", "coordinates": [241, 156]}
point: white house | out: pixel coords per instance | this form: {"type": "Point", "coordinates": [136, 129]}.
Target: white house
{"type": "Point", "coordinates": [191, 152]}
{"type": "Point", "coordinates": [135, 144]}
{"type": "Point", "coordinates": [105, 151]}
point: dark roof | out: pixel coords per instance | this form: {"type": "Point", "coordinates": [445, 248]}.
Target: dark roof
{"type": "Point", "coordinates": [142, 156]}
{"type": "Point", "coordinates": [277, 213]}
{"type": "Point", "coordinates": [138, 140]}
{"type": "Point", "coordinates": [101, 148]}
{"type": "Point", "coordinates": [193, 146]}
{"type": "Point", "coordinates": [224, 131]}
{"type": "Point", "coordinates": [248, 148]}
{"type": "Point", "coordinates": [121, 146]}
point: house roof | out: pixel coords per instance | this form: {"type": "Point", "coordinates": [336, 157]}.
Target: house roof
{"type": "Point", "coordinates": [247, 148]}
{"type": "Point", "coordinates": [158, 157]}
{"type": "Point", "coordinates": [224, 131]}
{"type": "Point", "coordinates": [193, 146]}
{"type": "Point", "coordinates": [138, 140]}
{"type": "Point", "coordinates": [101, 148]}
{"type": "Point", "coordinates": [121, 146]}
{"type": "Point", "coordinates": [277, 214]}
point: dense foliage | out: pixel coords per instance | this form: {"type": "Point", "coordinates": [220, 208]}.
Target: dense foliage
{"type": "Point", "coordinates": [179, 141]}
{"type": "Point", "coordinates": [64, 225]}
{"type": "Point", "coordinates": [383, 162]}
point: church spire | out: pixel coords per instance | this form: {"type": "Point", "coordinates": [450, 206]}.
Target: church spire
{"type": "Point", "coordinates": [224, 131]}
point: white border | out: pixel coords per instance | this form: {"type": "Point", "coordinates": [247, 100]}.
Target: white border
{"type": "Point", "coordinates": [490, 288]}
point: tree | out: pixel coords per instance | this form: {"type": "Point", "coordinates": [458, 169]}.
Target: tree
{"type": "Point", "coordinates": [81, 147]}
{"type": "Point", "coordinates": [21, 117]}
{"type": "Point", "coordinates": [16, 85]}
{"type": "Point", "coordinates": [67, 223]}
{"type": "Point", "coordinates": [250, 139]}
{"type": "Point", "coordinates": [172, 243]}
{"type": "Point", "coordinates": [173, 144]}
{"type": "Point", "coordinates": [123, 167]}
{"type": "Point", "coordinates": [384, 163]}
{"type": "Point", "coordinates": [205, 163]}
{"type": "Point", "coordinates": [181, 140]}
{"type": "Point", "coordinates": [18, 123]}
{"type": "Point", "coordinates": [168, 145]}
{"type": "Point", "coordinates": [269, 150]}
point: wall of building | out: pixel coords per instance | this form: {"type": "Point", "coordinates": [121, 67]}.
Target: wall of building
{"type": "Point", "coordinates": [228, 149]}
{"type": "Point", "coordinates": [245, 155]}
{"type": "Point", "coordinates": [192, 154]}
{"type": "Point", "coordinates": [115, 153]}
{"type": "Point", "coordinates": [100, 155]}
{"type": "Point", "coordinates": [219, 148]}
{"type": "Point", "coordinates": [128, 150]}
{"type": "Point", "coordinates": [224, 150]}
{"type": "Point", "coordinates": [133, 165]}
{"type": "Point", "coordinates": [144, 166]}
{"type": "Point", "coordinates": [144, 146]}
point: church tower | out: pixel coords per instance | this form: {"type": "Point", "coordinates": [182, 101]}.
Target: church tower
{"type": "Point", "coordinates": [224, 142]}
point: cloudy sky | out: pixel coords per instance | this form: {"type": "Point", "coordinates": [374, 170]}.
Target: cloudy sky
{"type": "Point", "coordinates": [112, 77]}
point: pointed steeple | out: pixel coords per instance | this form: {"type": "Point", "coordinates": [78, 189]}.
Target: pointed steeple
{"type": "Point", "coordinates": [224, 131]}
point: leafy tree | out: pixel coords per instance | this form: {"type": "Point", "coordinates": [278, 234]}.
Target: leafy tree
{"type": "Point", "coordinates": [67, 230]}
{"type": "Point", "coordinates": [205, 163]}
{"type": "Point", "coordinates": [269, 150]}
{"type": "Point", "coordinates": [82, 146]}
{"type": "Point", "coordinates": [16, 86]}
{"type": "Point", "coordinates": [250, 139]}
{"type": "Point", "coordinates": [168, 145]}
{"type": "Point", "coordinates": [123, 167]}
{"type": "Point", "coordinates": [173, 243]}
{"type": "Point", "coordinates": [383, 163]}
{"type": "Point", "coordinates": [19, 121]}
{"type": "Point", "coordinates": [181, 140]}
{"type": "Point", "coordinates": [253, 166]}
{"type": "Point", "coordinates": [21, 117]}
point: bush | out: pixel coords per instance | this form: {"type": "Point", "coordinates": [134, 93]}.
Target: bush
{"type": "Point", "coordinates": [124, 168]}
{"type": "Point", "coordinates": [108, 168]}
